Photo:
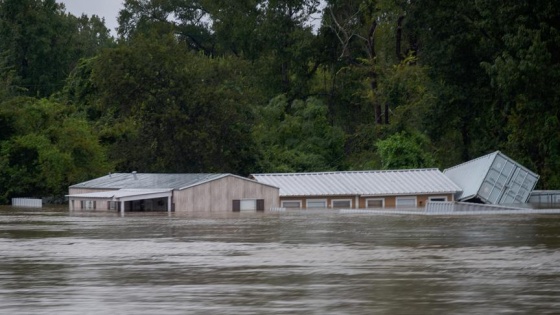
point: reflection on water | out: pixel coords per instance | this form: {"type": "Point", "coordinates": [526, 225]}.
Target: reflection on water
{"type": "Point", "coordinates": [54, 262]}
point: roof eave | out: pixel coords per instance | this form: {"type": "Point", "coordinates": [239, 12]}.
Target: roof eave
{"type": "Point", "coordinates": [375, 194]}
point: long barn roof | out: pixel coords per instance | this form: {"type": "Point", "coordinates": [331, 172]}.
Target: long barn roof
{"type": "Point", "coordinates": [363, 183]}
{"type": "Point", "coordinates": [147, 181]}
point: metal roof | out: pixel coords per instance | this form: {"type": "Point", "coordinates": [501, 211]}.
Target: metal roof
{"type": "Point", "coordinates": [470, 175]}
{"type": "Point", "coordinates": [363, 183]}
{"type": "Point", "coordinates": [147, 181]}
{"type": "Point", "coordinates": [122, 193]}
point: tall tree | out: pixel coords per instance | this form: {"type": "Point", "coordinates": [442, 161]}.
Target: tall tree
{"type": "Point", "coordinates": [187, 19]}
{"type": "Point", "coordinates": [296, 136]}
{"type": "Point", "coordinates": [275, 35]}
{"type": "Point", "coordinates": [41, 43]}
{"type": "Point", "coordinates": [44, 148]}
{"type": "Point", "coordinates": [454, 41]}
{"type": "Point", "coordinates": [523, 73]}
{"type": "Point", "coordinates": [369, 39]}
{"type": "Point", "coordinates": [182, 111]}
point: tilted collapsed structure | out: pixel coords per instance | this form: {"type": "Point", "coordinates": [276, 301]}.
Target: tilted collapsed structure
{"type": "Point", "coordinates": [493, 178]}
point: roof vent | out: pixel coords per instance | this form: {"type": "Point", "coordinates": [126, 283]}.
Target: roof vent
{"type": "Point", "coordinates": [134, 174]}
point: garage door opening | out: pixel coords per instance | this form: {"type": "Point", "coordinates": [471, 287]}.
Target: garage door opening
{"type": "Point", "coordinates": [248, 205]}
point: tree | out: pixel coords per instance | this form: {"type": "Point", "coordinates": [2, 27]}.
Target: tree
{"type": "Point", "coordinates": [188, 20]}
{"type": "Point", "coordinates": [276, 36]}
{"type": "Point", "coordinates": [404, 151]}
{"type": "Point", "coordinates": [453, 42]}
{"type": "Point", "coordinates": [296, 137]}
{"type": "Point", "coordinates": [42, 44]}
{"type": "Point", "coordinates": [45, 148]}
{"type": "Point", "coordinates": [178, 111]}
{"type": "Point", "coordinates": [523, 75]}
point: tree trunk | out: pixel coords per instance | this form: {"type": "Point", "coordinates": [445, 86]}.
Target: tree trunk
{"type": "Point", "coordinates": [399, 39]}
{"type": "Point", "coordinates": [386, 113]}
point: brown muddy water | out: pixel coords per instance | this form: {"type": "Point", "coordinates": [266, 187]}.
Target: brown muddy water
{"type": "Point", "coordinates": [54, 262]}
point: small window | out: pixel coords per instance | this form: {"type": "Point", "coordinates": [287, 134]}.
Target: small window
{"type": "Point", "coordinates": [293, 204]}
{"type": "Point", "coordinates": [375, 203]}
{"type": "Point", "coordinates": [316, 204]}
{"type": "Point", "coordinates": [438, 199]}
{"type": "Point", "coordinates": [341, 204]}
{"type": "Point", "coordinates": [404, 202]}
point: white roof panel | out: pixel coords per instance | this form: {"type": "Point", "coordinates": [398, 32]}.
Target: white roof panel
{"type": "Point", "coordinates": [121, 193]}
{"type": "Point", "coordinates": [147, 181]}
{"type": "Point", "coordinates": [363, 183]}
{"type": "Point", "coordinates": [470, 175]}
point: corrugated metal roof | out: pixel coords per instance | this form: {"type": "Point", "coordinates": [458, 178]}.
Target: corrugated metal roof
{"type": "Point", "coordinates": [147, 181]}
{"type": "Point", "coordinates": [122, 193]}
{"type": "Point", "coordinates": [363, 183]}
{"type": "Point", "coordinates": [470, 175]}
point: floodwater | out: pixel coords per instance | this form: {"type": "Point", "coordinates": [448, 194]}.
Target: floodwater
{"type": "Point", "coordinates": [55, 262]}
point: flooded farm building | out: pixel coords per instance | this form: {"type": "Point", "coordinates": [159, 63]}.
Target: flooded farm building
{"type": "Point", "coordinates": [361, 189]}
{"type": "Point", "coordinates": [172, 192]}
{"type": "Point", "coordinates": [491, 179]}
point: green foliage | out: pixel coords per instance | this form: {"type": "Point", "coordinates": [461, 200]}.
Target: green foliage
{"type": "Point", "coordinates": [45, 148]}
{"type": "Point", "coordinates": [274, 35]}
{"type": "Point", "coordinates": [179, 111]}
{"type": "Point", "coordinates": [296, 137]}
{"type": "Point", "coordinates": [41, 43]}
{"type": "Point", "coordinates": [186, 19]}
{"type": "Point", "coordinates": [405, 151]}
{"type": "Point", "coordinates": [523, 74]}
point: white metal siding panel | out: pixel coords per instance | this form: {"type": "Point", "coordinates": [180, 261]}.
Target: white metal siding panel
{"type": "Point", "coordinates": [545, 196]}
{"type": "Point", "coordinates": [217, 195]}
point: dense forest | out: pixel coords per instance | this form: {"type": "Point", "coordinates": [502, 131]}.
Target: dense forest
{"type": "Point", "coordinates": [251, 86]}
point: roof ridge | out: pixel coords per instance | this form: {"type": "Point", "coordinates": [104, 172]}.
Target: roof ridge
{"type": "Point", "coordinates": [476, 159]}
{"type": "Point", "coordinates": [348, 172]}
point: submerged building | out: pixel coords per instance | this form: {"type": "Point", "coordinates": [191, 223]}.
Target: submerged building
{"type": "Point", "coordinates": [493, 178]}
{"type": "Point", "coordinates": [361, 189]}
{"type": "Point", "coordinates": [172, 192]}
